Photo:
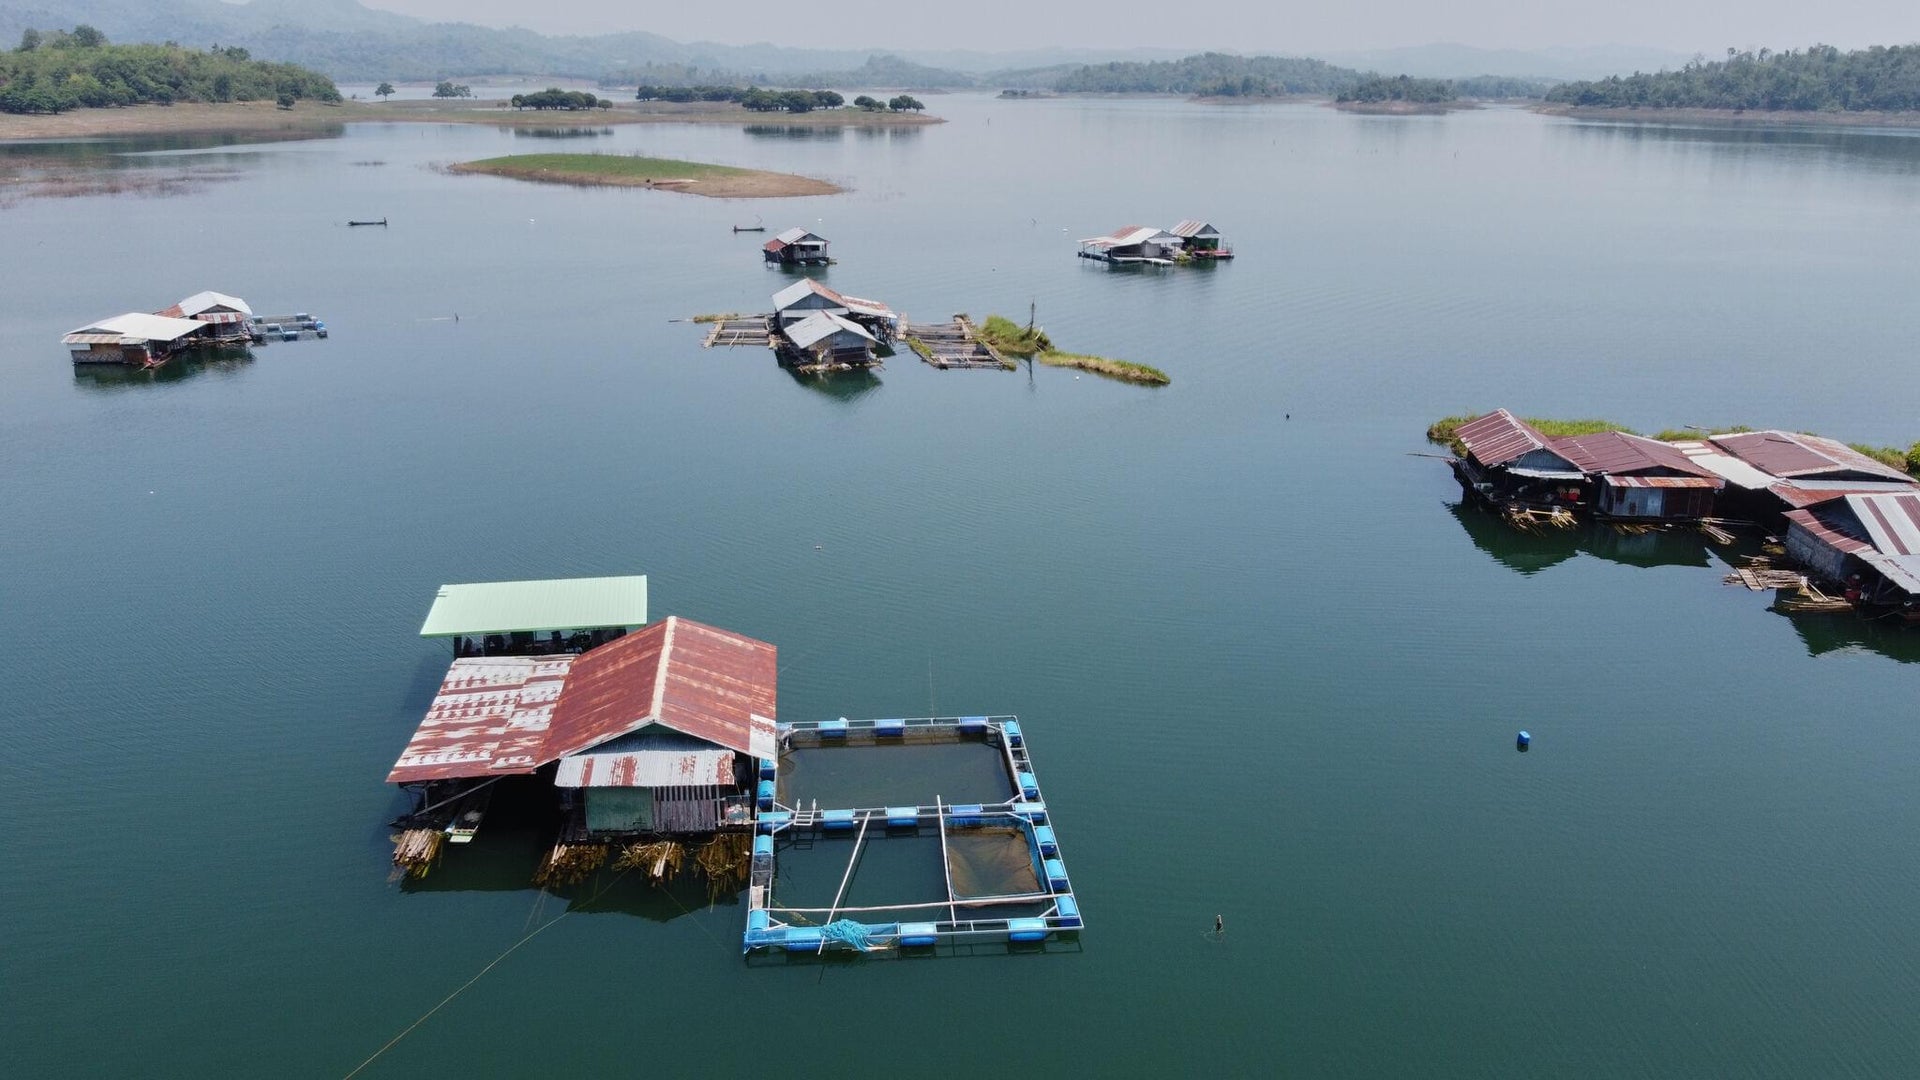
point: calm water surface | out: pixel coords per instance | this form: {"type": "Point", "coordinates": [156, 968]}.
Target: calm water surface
{"type": "Point", "coordinates": [1268, 669]}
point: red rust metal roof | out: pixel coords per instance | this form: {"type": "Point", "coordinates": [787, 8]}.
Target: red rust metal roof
{"type": "Point", "coordinates": [647, 768]}
{"type": "Point", "coordinates": [706, 682]}
{"type": "Point", "coordinates": [1827, 533]}
{"type": "Point", "coordinates": [1663, 481]}
{"type": "Point", "coordinates": [1892, 521]}
{"type": "Point", "coordinates": [1792, 454]}
{"type": "Point", "coordinates": [1499, 437]}
{"type": "Point", "coordinates": [1615, 452]}
{"type": "Point", "coordinates": [490, 718]}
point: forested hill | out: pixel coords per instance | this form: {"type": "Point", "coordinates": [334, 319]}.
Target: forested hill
{"type": "Point", "coordinates": [53, 71]}
{"type": "Point", "coordinates": [1822, 78]}
{"type": "Point", "coordinates": [1213, 75]}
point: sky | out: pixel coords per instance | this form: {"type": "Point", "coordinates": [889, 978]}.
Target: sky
{"type": "Point", "coordinates": [1238, 25]}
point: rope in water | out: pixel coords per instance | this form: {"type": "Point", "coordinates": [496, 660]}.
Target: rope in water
{"type": "Point", "coordinates": [424, 1017]}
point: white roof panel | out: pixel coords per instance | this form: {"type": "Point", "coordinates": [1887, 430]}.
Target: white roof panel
{"type": "Point", "coordinates": [137, 324]}
{"type": "Point", "coordinates": [500, 607]}
{"type": "Point", "coordinates": [821, 325]}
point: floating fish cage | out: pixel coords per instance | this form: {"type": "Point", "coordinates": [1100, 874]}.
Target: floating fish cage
{"type": "Point", "coordinates": [987, 863]}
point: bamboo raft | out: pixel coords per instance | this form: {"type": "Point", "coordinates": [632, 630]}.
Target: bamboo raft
{"type": "Point", "coordinates": [740, 330]}
{"type": "Point", "coordinates": [954, 344]}
{"type": "Point", "coordinates": [1760, 574]}
{"type": "Point", "coordinates": [1537, 522]}
{"type": "Point", "coordinates": [416, 850]}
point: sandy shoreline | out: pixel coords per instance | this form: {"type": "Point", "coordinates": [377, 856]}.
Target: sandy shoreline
{"type": "Point", "coordinates": [264, 118]}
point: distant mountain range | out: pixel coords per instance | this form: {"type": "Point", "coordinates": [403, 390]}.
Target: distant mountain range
{"type": "Point", "coordinates": [354, 43]}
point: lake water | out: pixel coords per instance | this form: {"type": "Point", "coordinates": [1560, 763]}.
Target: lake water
{"type": "Point", "coordinates": [1267, 668]}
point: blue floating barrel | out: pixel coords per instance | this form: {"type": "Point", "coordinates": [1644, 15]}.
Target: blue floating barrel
{"type": "Point", "coordinates": [765, 794]}
{"type": "Point", "coordinates": [773, 819]}
{"type": "Point", "coordinates": [756, 929]}
{"type": "Point", "coordinates": [903, 817]}
{"type": "Point", "coordinates": [915, 935]}
{"type": "Point", "coordinates": [1043, 839]}
{"type": "Point", "coordinates": [803, 939]}
{"type": "Point", "coordinates": [763, 845]}
{"type": "Point", "coordinates": [1522, 741]}
{"type": "Point", "coordinates": [1033, 812]}
{"type": "Point", "coordinates": [966, 816]}
{"type": "Point", "coordinates": [1056, 875]}
{"type": "Point", "coordinates": [833, 729]}
{"type": "Point", "coordinates": [1012, 730]}
{"type": "Point", "coordinates": [1024, 930]}
{"type": "Point", "coordinates": [1029, 785]}
{"type": "Point", "coordinates": [768, 768]}
{"type": "Point", "coordinates": [973, 725]}
{"type": "Point", "coordinates": [836, 819]}
{"type": "Point", "coordinates": [890, 729]}
{"type": "Point", "coordinates": [1069, 913]}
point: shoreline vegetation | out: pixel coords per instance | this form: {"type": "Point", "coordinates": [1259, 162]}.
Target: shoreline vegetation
{"type": "Point", "coordinates": [1819, 80]}
{"type": "Point", "coordinates": [1010, 337]}
{"type": "Point", "coordinates": [1779, 117]}
{"type": "Point", "coordinates": [1445, 432]}
{"type": "Point", "coordinates": [660, 174]}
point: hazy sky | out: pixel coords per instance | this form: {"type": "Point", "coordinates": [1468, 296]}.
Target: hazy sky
{"type": "Point", "coordinates": [1241, 25]}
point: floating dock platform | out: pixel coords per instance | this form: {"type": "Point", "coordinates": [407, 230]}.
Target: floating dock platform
{"type": "Point", "coordinates": [264, 328]}
{"type": "Point", "coordinates": [1004, 879]}
{"type": "Point", "coordinates": [954, 344]}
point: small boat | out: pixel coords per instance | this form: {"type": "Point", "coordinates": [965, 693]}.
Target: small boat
{"type": "Point", "coordinates": [749, 228]}
{"type": "Point", "coordinates": [382, 221]}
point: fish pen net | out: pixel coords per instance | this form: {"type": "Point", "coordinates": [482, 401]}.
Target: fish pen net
{"type": "Point", "coordinates": [415, 850]}
{"type": "Point", "coordinates": [570, 864]}
{"type": "Point", "coordinates": [659, 858]}
{"type": "Point", "coordinates": [990, 862]}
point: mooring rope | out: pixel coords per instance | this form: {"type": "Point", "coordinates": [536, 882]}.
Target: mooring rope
{"type": "Point", "coordinates": [424, 1017]}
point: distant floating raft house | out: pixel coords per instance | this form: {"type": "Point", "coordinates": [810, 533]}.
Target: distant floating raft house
{"type": "Point", "coordinates": [136, 339]}
{"type": "Point", "coordinates": [845, 340]}
{"type": "Point", "coordinates": [655, 733]}
{"type": "Point", "coordinates": [796, 247]}
{"type": "Point", "coordinates": [1133, 244]}
{"type": "Point", "coordinates": [228, 315]}
{"type": "Point", "coordinates": [1509, 463]}
{"type": "Point", "coordinates": [526, 618]}
{"type": "Point", "coordinates": [1768, 473]}
{"type": "Point", "coordinates": [1866, 545]}
{"type": "Point", "coordinates": [1200, 240]}
{"type": "Point", "coordinates": [826, 340]}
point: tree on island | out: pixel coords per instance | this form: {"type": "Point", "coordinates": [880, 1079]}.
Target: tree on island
{"type": "Point", "coordinates": [869, 104]}
{"type": "Point", "coordinates": [905, 102]}
{"type": "Point", "coordinates": [61, 73]}
{"type": "Point", "coordinates": [446, 89]}
{"type": "Point", "coordinates": [383, 91]}
{"type": "Point", "coordinates": [285, 100]}
{"type": "Point", "coordinates": [30, 39]}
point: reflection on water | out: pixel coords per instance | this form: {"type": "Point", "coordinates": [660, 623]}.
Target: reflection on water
{"type": "Point", "coordinates": [1893, 149]}
{"type": "Point", "coordinates": [226, 360]}
{"type": "Point", "coordinates": [794, 131]}
{"type": "Point", "coordinates": [1848, 632]}
{"type": "Point", "coordinates": [1530, 553]}
{"type": "Point", "coordinates": [556, 132]}
{"type": "Point", "coordinates": [848, 386]}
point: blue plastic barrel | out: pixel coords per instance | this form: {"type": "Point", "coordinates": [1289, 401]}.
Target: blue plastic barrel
{"type": "Point", "coordinates": [1012, 730]}
{"type": "Point", "coordinates": [967, 815]}
{"type": "Point", "coordinates": [890, 729]}
{"type": "Point", "coordinates": [773, 819]}
{"type": "Point", "coordinates": [756, 929]}
{"type": "Point", "coordinates": [1069, 912]}
{"type": "Point", "coordinates": [1025, 930]}
{"type": "Point", "coordinates": [833, 729]}
{"type": "Point", "coordinates": [762, 845]}
{"type": "Point", "coordinates": [1034, 812]}
{"type": "Point", "coordinates": [973, 725]}
{"type": "Point", "coordinates": [768, 768]}
{"type": "Point", "coordinates": [1056, 875]}
{"type": "Point", "coordinates": [803, 939]}
{"type": "Point", "coordinates": [903, 817]}
{"type": "Point", "coordinates": [916, 935]}
{"type": "Point", "coordinates": [1043, 839]}
{"type": "Point", "coordinates": [765, 792]}
{"type": "Point", "coordinates": [836, 819]}
{"type": "Point", "coordinates": [1029, 785]}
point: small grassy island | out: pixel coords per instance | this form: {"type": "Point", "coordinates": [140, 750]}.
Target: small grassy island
{"type": "Point", "coordinates": [666, 174]}
{"type": "Point", "coordinates": [1445, 433]}
{"type": "Point", "coordinates": [1010, 337]}
{"type": "Point", "coordinates": [1401, 95]}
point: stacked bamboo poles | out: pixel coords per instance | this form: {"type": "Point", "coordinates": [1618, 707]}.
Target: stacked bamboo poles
{"type": "Point", "coordinates": [1538, 521]}
{"type": "Point", "coordinates": [727, 859]}
{"type": "Point", "coordinates": [660, 859]}
{"type": "Point", "coordinates": [416, 850]}
{"type": "Point", "coordinates": [570, 864]}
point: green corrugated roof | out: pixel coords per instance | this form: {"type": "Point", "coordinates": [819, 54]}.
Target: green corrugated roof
{"type": "Point", "coordinates": [500, 607]}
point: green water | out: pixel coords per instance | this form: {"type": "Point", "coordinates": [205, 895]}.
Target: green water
{"type": "Point", "coordinates": [1267, 670]}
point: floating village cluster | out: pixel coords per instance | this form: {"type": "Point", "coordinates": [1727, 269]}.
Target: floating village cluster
{"type": "Point", "coordinates": [659, 740]}
{"type": "Point", "coordinates": [203, 321]}
{"type": "Point", "coordinates": [1850, 524]}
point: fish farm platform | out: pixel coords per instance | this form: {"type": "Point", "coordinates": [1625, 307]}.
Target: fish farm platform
{"type": "Point", "coordinates": [979, 861]}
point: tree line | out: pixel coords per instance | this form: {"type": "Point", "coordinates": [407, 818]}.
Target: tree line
{"type": "Point", "coordinates": [1379, 88]}
{"type": "Point", "coordinates": [761, 100]}
{"type": "Point", "coordinates": [53, 71]}
{"type": "Point", "coordinates": [1820, 78]}
{"type": "Point", "coordinates": [555, 98]}
{"type": "Point", "coordinates": [1212, 75]}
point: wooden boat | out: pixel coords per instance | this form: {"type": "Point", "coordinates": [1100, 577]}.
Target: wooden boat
{"type": "Point", "coordinates": [382, 221]}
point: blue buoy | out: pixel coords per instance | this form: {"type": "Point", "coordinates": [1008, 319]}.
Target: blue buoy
{"type": "Point", "coordinates": [836, 819]}
{"type": "Point", "coordinates": [1069, 913]}
{"type": "Point", "coordinates": [1043, 839]}
{"type": "Point", "coordinates": [902, 817]}
{"type": "Point", "coordinates": [919, 935]}
{"type": "Point", "coordinates": [893, 729]}
{"type": "Point", "coordinates": [765, 793]}
{"type": "Point", "coordinates": [1029, 787]}
{"type": "Point", "coordinates": [1522, 741]}
{"type": "Point", "coordinates": [1026, 929]}
{"type": "Point", "coordinates": [768, 768]}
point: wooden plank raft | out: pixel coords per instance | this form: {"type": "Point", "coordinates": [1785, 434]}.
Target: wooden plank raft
{"type": "Point", "coordinates": [953, 344]}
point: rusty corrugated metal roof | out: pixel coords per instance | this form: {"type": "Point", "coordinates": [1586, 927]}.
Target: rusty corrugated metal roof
{"type": "Point", "coordinates": [1499, 437]}
{"type": "Point", "coordinates": [490, 718]}
{"type": "Point", "coordinates": [1826, 532]}
{"type": "Point", "coordinates": [1891, 521]}
{"type": "Point", "coordinates": [1790, 454]}
{"type": "Point", "coordinates": [710, 683]}
{"type": "Point", "coordinates": [1616, 452]}
{"type": "Point", "coordinates": [1191, 228]}
{"type": "Point", "coordinates": [647, 768]}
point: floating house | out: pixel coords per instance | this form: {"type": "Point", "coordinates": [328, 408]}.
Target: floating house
{"type": "Point", "coordinates": [536, 618]}
{"type": "Point", "coordinates": [826, 340]}
{"type": "Point", "coordinates": [1868, 545]}
{"type": "Point", "coordinates": [228, 315]}
{"type": "Point", "coordinates": [1133, 244]}
{"type": "Point", "coordinates": [1634, 478]}
{"type": "Point", "coordinates": [136, 339]}
{"type": "Point", "coordinates": [1509, 463]}
{"type": "Point", "coordinates": [1200, 240]}
{"type": "Point", "coordinates": [1771, 472]}
{"type": "Point", "coordinates": [797, 247]}
{"type": "Point", "coordinates": [654, 733]}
